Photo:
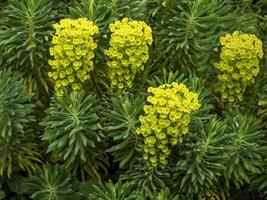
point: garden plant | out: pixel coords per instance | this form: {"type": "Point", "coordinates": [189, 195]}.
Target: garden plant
{"type": "Point", "coordinates": [133, 99]}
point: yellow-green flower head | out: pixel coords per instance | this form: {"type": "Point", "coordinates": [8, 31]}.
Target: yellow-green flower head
{"type": "Point", "coordinates": [165, 120]}
{"type": "Point", "coordinates": [239, 65]}
{"type": "Point", "coordinates": [72, 52]}
{"type": "Point", "coordinates": [128, 52]}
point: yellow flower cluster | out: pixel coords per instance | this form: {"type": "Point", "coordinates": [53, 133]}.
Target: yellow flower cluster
{"type": "Point", "coordinates": [73, 51]}
{"type": "Point", "coordinates": [128, 52]}
{"type": "Point", "coordinates": [238, 66]}
{"type": "Point", "coordinates": [165, 120]}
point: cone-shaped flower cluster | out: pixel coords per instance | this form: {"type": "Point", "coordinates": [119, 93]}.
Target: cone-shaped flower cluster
{"type": "Point", "coordinates": [166, 120]}
{"type": "Point", "coordinates": [239, 65]}
{"type": "Point", "coordinates": [128, 52]}
{"type": "Point", "coordinates": [73, 52]}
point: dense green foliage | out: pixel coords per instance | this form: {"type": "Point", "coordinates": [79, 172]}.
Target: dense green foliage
{"type": "Point", "coordinates": [51, 182]}
{"type": "Point", "coordinates": [25, 32]}
{"type": "Point", "coordinates": [133, 99]}
{"type": "Point", "coordinates": [18, 143]}
{"type": "Point", "coordinates": [71, 133]}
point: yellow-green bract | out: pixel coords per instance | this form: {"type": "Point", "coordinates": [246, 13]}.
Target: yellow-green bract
{"type": "Point", "coordinates": [73, 52]}
{"type": "Point", "coordinates": [239, 65]}
{"type": "Point", "coordinates": [166, 120]}
{"type": "Point", "coordinates": [128, 52]}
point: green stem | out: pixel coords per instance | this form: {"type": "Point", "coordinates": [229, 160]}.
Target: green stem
{"type": "Point", "coordinates": [113, 5]}
{"type": "Point", "coordinates": [91, 9]}
{"type": "Point", "coordinates": [95, 85]}
{"type": "Point", "coordinates": [143, 81]}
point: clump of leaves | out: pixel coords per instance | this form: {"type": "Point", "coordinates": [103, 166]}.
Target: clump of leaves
{"type": "Point", "coordinates": [17, 141]}
{"type": "Point", "coordinates": [71, 131]}
{"type": "Point", "coordinates": [111, 191]}
{"type": "Point", "coordinates": [123, 118]}
{"type": "Point", "coordinates": [203, 157]}
{"type": "Point", "coordinates": [246, 149]}
{"type": "Point", "coordinates": [163, 194]}
{"type": "Point", "coordinates": [52, 182]}
{"type": "Point", "coordinates": [15, 108]}
{"type": "Point", "coordinates": [25, 29]}
{"type": "Point", "coordinates": [146, 178]}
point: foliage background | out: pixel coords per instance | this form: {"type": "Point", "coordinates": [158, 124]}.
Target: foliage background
{"type": "Point", "coordinates": [43, 147]}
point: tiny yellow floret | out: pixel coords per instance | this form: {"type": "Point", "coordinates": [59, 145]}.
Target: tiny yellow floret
{"type": "Point", "coordinates": [72, 52]}
{"type": "Point", "coordinates": [165, 120]}
{"type": "Point", "coordinates": [239, 65]}
{"type": "Point", "coordinates": [128, 52]}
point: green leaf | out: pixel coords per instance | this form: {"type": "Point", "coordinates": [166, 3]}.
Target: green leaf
{"type": "Point", "coordinates": [26, 24]}
{"type": "Point", "coordinates": [2, 194]}
{"type": "Point", "coordinates": [123, 115]}
{"type": "Point", "coordinates": [71, 131]}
